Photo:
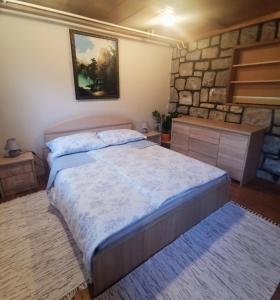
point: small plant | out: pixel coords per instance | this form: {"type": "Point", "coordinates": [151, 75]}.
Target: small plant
{"type": "Point", "coordinates": [167, 122]}
{"type": "Point", "coordinates": [163, 122]}
{"type": "Point", "coordinates": [157, 120]}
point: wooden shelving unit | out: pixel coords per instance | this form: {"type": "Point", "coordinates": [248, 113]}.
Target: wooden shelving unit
{"type": "Point", "coordinates": [256, 81]}
{"type": "Point", "coordinates": [255, 74]}
{"type": "Point", "coordinates": [257, 64]}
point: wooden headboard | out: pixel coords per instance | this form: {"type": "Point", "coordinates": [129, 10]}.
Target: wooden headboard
{"type": "Point", "coordinates": [89, 123]}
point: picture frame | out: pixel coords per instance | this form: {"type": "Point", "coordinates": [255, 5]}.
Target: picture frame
{"type": "Point", "coordinates": [95, 61]}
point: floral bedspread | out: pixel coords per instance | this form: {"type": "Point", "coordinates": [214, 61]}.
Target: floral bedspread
{"type": "Point", "coordinates": [121, 186]}
{"type": "Point", "coordinates": [158, 173]}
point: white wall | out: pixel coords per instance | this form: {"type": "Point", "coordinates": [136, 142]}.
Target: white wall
{"type": "Point", "coordinates": [37, 88]}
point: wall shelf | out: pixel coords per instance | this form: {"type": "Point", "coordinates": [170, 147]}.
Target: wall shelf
{"type": "Point", "coordinates": [274, 62]}
{"type": "Point", "coordinates": [256, 81]}
{"type": "Point", "coordinates": [255, 74]}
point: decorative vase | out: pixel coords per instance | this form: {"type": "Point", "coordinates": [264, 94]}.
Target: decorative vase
{"type": "Point", "coordinates": [165, 137]}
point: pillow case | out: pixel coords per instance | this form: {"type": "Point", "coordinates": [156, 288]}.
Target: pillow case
{"type": "Point", "coordinates": [79, 142]}
{"type": "Point", "coordinates": [120, 136]}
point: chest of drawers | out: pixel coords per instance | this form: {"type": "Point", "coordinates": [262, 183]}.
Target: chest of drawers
{"type": "Point", "coordinates": [231, 147]}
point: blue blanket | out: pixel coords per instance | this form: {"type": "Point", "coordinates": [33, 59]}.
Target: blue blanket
{"type": "Point", "coordinates": [67, 161]}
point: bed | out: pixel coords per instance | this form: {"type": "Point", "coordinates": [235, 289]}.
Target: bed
{"type": "Point", "coordinates": [132, 245]}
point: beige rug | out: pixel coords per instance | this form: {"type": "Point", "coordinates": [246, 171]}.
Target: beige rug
{"type": "Point", "coordinates": [233, 254]}
{"type": "Point", "coordinates": [37, 257]}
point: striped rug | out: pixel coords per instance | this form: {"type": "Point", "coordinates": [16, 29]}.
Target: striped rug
{"type": "Point", "coordinates": [38, 259]}
{"type": "Point", "coordinates": [233, 254]}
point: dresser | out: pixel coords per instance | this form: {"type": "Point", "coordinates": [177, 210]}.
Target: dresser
{"type": "Point", "coordinates": [17, 174]}
{"type": "Point", "coordinates": [232, 147]}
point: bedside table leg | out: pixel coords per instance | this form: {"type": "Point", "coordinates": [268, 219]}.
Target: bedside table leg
{"type": "Point", "coordinates": [1, 191]}
{"type": "Point", "coordinates": [35, 175]}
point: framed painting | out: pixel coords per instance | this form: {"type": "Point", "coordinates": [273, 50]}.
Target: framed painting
{"type": "Point", "coordinates": [95, 65]}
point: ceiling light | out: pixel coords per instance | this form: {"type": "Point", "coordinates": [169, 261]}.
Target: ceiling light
{"type": "Point", "coordinates": [168, 18]}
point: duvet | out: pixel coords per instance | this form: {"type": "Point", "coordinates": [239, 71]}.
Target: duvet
{"type": "Point", "coordinates": [120, 185]}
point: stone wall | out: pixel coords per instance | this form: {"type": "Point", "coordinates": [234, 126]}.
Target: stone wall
{"type": "Point", "coordinates": [199, 78]}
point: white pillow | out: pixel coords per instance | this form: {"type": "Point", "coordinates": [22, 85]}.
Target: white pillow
{"type": "Point", "coordinates": [74, 143]}
{"type": "Point", "coordinates": [120, 136]}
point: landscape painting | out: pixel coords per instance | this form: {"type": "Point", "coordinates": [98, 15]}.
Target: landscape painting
{"type": "Point", "coordinates": [95, 65]}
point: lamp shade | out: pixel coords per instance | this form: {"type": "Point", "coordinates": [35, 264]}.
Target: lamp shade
{"type": "Point", "coordinates": [11, 144]}
{"type": "Point", "coordinates": [144, 127]}
{"type": "Point", "coordinates": [12, 148]}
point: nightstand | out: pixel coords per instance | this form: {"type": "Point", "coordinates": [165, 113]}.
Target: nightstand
{"type": "Point", "coordinates": [17, 174]}
{"type": "Point", "coordinates": [153, 136]}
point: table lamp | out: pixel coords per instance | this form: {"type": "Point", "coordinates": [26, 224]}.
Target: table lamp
{"type": "Point", "coordinates": [12, 148]}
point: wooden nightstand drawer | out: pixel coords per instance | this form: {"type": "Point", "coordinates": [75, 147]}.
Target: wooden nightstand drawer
{"type": "Point", "coordinates": [18, 183]}
{"type": "Point", "coordinates": [16, 169]}
{"type": "Point", "coordinates": [17, 174]}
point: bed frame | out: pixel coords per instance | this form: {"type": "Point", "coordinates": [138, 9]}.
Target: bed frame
{"type": "Point", "coordinates": [115, 261]}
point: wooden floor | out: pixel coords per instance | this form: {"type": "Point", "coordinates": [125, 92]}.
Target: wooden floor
{"type": "Point", "coordinates": [259, 196]}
